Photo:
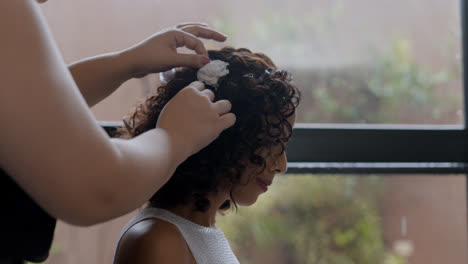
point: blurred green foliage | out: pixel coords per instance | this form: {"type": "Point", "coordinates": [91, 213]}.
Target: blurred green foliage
{"type": "Point", "coordinates": [394, 88]}
{"type": "Point", "coordinates": [389, 82]}
{"type": "Point", "coordinates": [312, 219]}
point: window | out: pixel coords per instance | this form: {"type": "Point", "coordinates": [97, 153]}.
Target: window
{"type": "Point", "coordinates": [356, 61]}
{"type": "Point", "coordinates": [353, 219]}
{"type": "Point", "coordinates": [382, 138]}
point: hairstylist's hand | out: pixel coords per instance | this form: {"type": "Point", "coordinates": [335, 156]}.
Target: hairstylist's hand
{"type": "Point", "coordinates": [159, 52]}
{"type": "Point", "coordinates": [193, 120]}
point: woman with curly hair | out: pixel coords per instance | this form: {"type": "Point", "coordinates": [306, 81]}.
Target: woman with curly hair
{"type": "Point", "coordinates": [178, 225]}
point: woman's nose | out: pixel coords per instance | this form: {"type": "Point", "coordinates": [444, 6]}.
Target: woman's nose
{"type": "Point", "coordinates": [281, 163]}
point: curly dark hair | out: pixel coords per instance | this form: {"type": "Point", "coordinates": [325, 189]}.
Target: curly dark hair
{"type": "Point", "coordinates": [262, 99]}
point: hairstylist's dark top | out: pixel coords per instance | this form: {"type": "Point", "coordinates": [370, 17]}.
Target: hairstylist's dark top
{"type": "Point", "coordinates": [26, 230]}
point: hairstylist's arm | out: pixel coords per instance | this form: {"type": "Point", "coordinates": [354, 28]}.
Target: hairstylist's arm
{"type": "Point", "coordinates": [99, 76]}
{"type": "Point", "coordinates": [51, 145]}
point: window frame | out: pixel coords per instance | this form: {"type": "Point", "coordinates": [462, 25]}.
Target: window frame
{"type": "Point", "coordinates": [384, 149]}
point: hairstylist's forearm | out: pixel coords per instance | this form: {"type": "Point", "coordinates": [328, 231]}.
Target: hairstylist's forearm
{"type": "Point", "coordinates": [151, 159]}
{"type": "Point", "coordinates": [98, 77]}
{"type": "Point", "coordinates": [154, 152]}
{"type": "Point", "coordinates": [124, 180]}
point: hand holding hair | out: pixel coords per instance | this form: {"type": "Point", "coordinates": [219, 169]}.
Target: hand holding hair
{"type": "Point", "coordinates": [193, 120]}
{"type": "Point", "coordinates": [159, 53]}
{"type": "Point", "coordinates": [99, 76]}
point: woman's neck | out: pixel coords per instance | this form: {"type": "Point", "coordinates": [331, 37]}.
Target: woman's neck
{"type": "Point", "coordinates": [206, 218]}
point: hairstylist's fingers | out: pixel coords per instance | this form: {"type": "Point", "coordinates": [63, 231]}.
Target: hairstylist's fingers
{"type": "Point", "coordinates": [222, 106]}
{"type": "Point", "coordinates": [204, 32]}
{"type": "Point", "coordinates": [185, 39]}
{"type": "Point", "coordinates": [197, 85]}
{"type": "Point", "coordinates": [208, 93]}
{"type": "Point", "coordinates": [181, 25]}
{"type": "Point", "coordinates": [227, 120]}
{"type": "Point", "coordinates": [190, 60]}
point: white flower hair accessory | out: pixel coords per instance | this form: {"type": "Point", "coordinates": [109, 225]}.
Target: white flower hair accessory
{"type": "Point", "coordinates": [208, 74]}
{"type": "Point", "coordinates": [211, 72]}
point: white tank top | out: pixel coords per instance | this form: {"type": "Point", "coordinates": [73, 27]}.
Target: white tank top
{"type": "Point", "coordinates": [207, 244]}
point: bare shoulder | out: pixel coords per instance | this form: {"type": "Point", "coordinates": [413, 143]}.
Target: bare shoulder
{"type": "Point", "coordinates": [153, 241]}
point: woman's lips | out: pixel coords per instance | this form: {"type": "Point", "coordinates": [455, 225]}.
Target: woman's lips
{"type": "Point", "coordinates": [263, 185]}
